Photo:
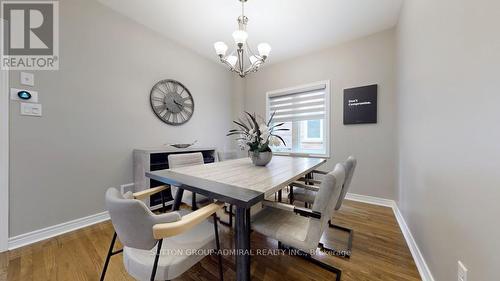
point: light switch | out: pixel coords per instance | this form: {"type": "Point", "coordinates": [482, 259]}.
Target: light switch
{"type": "Point", "coordinates": [31, 109]}
{"type": "Point", "coordinates": [27, 79]}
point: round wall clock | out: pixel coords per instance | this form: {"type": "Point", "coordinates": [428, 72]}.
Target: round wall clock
{"type": "Point", "coordinates": [171, 102]}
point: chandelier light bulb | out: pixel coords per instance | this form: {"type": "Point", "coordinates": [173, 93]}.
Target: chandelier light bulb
{"type": "Point", "coordinates": [240, 36]}
{"type": "Point", "coordinates": [264, 49]}
{"type": "Point", "coordinates": [220, 48]}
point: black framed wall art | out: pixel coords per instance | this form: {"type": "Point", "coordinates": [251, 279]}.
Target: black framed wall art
{"type": "Point", "coordinates": [360, 105]}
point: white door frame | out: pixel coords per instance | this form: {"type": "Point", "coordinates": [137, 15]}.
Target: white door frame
{"type": "Point", "coordinates": [4, 160]}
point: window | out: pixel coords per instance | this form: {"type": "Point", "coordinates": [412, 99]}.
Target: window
{"type": "Point", "coordinates": [305, 111]}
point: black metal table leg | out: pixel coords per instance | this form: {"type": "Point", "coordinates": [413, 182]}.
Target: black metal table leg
{"type": "Point", "coordinates": [280, 195]}
{"type": "Point", "coordinates": [242, 244]}
{"type": "Point", "coordinates": [178, 199]}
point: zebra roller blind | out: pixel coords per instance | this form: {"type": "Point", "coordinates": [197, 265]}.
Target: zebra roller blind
{"type": "Point", "coordinates": [304, 104]}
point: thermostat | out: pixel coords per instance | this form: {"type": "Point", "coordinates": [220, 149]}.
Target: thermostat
{"type": "Point", "coordinates": [23, 95]}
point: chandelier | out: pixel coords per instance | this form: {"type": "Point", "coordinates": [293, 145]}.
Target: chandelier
{"type": "Point", "coordinates": [242, 60]}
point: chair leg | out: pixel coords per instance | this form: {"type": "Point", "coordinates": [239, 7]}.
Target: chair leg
{"type": "Point", "coordinates": [326, 266]}
{"type": "Point", "coordinates": [163, 207]}
{"type": "Point", "coordinates": [108, 257]}
{"type": "Point", "coordinates": [177, 199]}
{"type": "Point", "coordinates": [230, 214]}
{"type": "Point", "coordinates": [217, 245]}
{"type": "Point", "coordinates": [340, 253]}
{"type": "Point", "coordinates": [194, 207]}
{"type": "Point", "coordinates": [309, 176]}
{"type": "Point", "coordinates": [157, 257]}
{"type": "Point", "coordinates": [338, 272]}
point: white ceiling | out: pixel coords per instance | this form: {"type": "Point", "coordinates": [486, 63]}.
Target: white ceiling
{"type": "Point", "coordinates": [291, 27]}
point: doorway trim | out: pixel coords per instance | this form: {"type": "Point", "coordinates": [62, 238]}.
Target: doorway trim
{"type": "Point", "coordinates": [4, 159]}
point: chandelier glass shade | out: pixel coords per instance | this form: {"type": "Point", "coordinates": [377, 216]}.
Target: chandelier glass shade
{"type": "Point", "coordinates": [242, 59]}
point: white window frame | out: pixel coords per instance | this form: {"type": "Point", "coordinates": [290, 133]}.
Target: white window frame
{"type": "Point", "coordinates": [321, 133]}
{"type": "Point", "coordinates": [326, 122]}
{"type": "Point", "coordinates": [4, 159]}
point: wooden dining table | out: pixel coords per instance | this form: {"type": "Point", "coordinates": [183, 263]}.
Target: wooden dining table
{"type": "Point", "coordinates": [240, 183]}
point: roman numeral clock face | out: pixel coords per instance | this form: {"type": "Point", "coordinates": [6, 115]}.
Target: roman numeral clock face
{"type": "Point", "coordinates": [171, 102]}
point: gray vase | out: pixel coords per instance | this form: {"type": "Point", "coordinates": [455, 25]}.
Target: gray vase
{"type": "Point", "coordinates": [260, 158]}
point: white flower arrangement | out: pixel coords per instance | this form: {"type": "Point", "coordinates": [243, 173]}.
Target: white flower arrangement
{"type": "Point", "coordinates": [257, 137]}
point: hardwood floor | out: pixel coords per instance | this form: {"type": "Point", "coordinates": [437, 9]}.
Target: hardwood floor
{"type": "Point", "coordinates": [379, 253]}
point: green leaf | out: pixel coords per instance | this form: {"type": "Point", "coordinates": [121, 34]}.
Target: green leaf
{"type": "Point", "coordinates": [250, 123]}
{"type": "Point", "coordinates": [242, 121]}
{"type": "Point", "coordinates": [278, 125]}
{"type": "Point", "coordinates": [271, 129]}
{"type": "Point", "coordinates": [238, 131]}
{"type": "Point", "coordinates": [284, 143]}
{"type": "Point", "coordinates": [253, 146]}
{"type": "Point", "coordinates": [232, 134]}
{"type": "Point", "coordinates": [252, 117]}
{"type": "Point", "coordinates": [243, 126]}
{"type": "Point", "coordinates": [264, 147]}
{"type": "Point", "coordinates": [271, 118]}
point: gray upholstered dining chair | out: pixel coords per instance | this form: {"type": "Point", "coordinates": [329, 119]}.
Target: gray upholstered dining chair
{"type": "Point", "coordinates": [182, 160]}
{"type": "Point", "coordinates": [226, 155]}
{"type": "Point", "coordinates": [307, 190]}
{"type": "Point", "coordinates": [302, 228]}
{"type": "Point", "coordinates": [175, 239]}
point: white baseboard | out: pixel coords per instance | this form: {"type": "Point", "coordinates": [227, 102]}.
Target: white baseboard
{"type": "Point", "coordinates": [422, 267]}
{"type": "Point", "coordinates": [370, 200]}
{"type": "Point", "coordinates": [55, 230]}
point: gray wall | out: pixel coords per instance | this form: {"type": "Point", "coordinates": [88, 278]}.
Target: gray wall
{"type": "Point", "coordinates": [96, 110]}
{"type": "Point", "coordinates": [369, 60]}
{"type": "Point", "coordinates": [448, 89]}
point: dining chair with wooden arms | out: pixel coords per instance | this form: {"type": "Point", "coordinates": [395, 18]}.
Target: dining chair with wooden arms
{"type": "Point", "coordinates": [160, 247]}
